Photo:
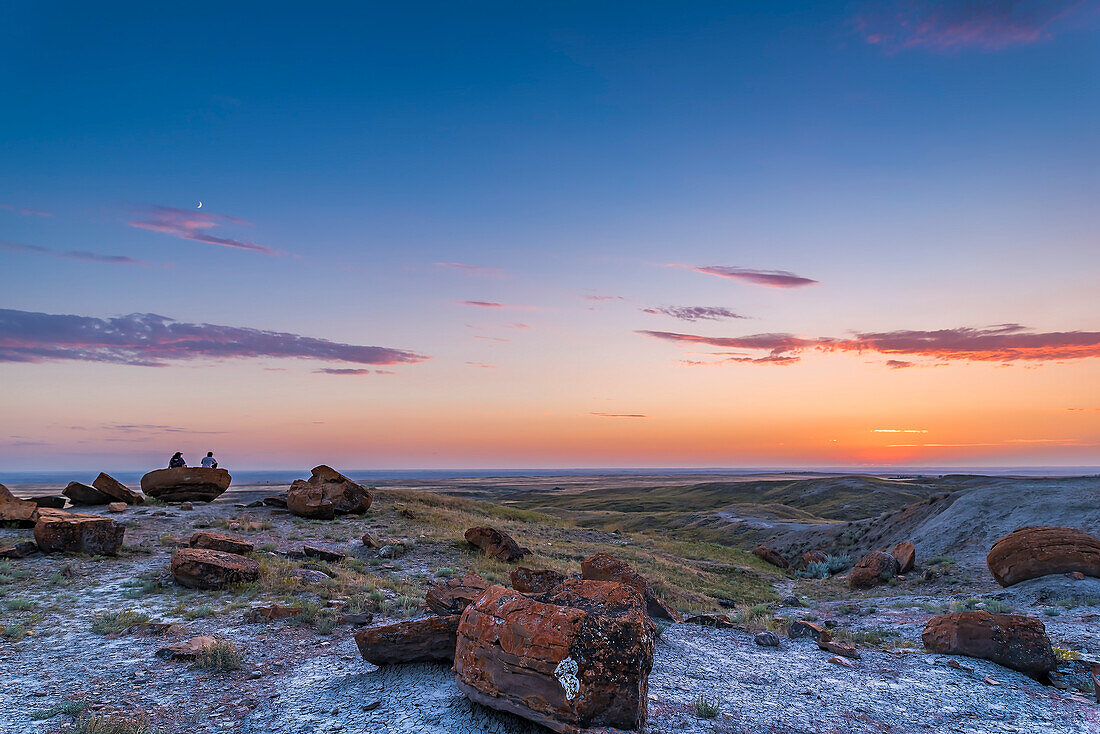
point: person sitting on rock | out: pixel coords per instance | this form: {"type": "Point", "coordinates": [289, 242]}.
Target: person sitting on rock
{"type": "Point", "coordinates": [209, 462]}
{"type": "Point", "coordinates": [176, 461]}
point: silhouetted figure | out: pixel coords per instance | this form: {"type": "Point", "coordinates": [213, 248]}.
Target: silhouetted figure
{"type": "Point", "coordinates": [209, 461]}
{"type": "Point", "coordinates": [176, 461]}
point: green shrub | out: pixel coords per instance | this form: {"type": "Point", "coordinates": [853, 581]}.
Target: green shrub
{"type": "Point", "coordinates": [111, 623]}
{"type": "Point", "coordinates": [838, 563]}
{"type": "Point", "coordinates": [221, 657]}
{"type": "Point", "coordinates": [112, 724]}
{"type": "Point", "coordinates": [69, 708]}
{"type": "Point", "coordinates": [814, 570]}
{"type": "Point", "coordinates": [706, 707]}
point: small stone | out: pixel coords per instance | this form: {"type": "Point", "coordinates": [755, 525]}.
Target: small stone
{"type": "Point", "coordinates": [791, 601]}
{"type": "Point", "coordinates": [766, 639]}
{"type": "Point", "coordinates": [116, 507]}
{"type": "Point", "coordinates": [372, 705]}
{"type": "Point", "coordinates": [836, 660]}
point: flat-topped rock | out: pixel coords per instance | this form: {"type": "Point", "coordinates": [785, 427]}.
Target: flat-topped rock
{"type": "Point", "coordinates": [326, 494]}
{"type": "Point", "coordinates": [219, 542]}
{"type": "Point", "coordinates": [116, 490]}
{"type": "Point", "coordinates": [606, 567]}
{"type": "Point", "coordinates": [186, 484]}
{"type": "Point", "coordinates": [58, 531]}
{"type": "Point", "coordinates": [14, 510]}
{"type": "Point", "coordinates": [82, 494]}
{"type": "Point", "coordinates": [414, 641]}
{"type": "Point", "coordinates": [199, 568]}
{"type": "Point", "coordinates": [1011, 640]}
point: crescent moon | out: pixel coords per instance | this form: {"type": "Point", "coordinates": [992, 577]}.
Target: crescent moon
{"type": "Point", "coordinates": [199, 206]}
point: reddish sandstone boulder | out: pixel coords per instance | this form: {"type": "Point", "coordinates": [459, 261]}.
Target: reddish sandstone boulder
{"type": "Point", "coordinates": [415, 641]}
{"type": "Point", "coordinates": [606, 567]}
{"type": "Point", "coordinates": [575, 660]}
{"type": "Point", "coordinates": [1011, 640]}
{"type": "Point", "coordinates": [186, 484]}
{"type": "Point", "coordinates": [18, 550]}
{"type": "Point", "coordinates": [82, 494]}
{"type": "Point", "coordinates": [23, 513]}
{"type": "Point", "coordinates": [535, 581]}
{"type": "Point", "coordinates": [873, 569]}
{"type": "Point", "coordinates": [814, 556]}
{"type": "Point", "coordinates": [199, 568]}
{"type": "Point", "coordinates": [802, 628]}
{"type": "Point", "coordinates": [116, 490]}
{"type": "Point", "coordinates": [455, 595]}
{"type": "Point", "coordinates": [769, 554]}
{"type": "Point", "coordinates": [219, 542]}
{"type": "Point", "coordinates": [271, 612]}
{"type": "Point", "coordinates": [323, 554]}
{"type": "Point", "coordinates": [58, 531]}
{"type": "Point", "coordinates": [326, 494]}
{"type": "Point", "coordinates": [495, 544]}
{"type": "Point", "coordinates": [1038, 551]}
{"type": "Point", "coordinates": [906, 556]}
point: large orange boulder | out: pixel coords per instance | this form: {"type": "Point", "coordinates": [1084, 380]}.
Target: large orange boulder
{"type": "Point", "coordinates": [535, 581]}
{"type": "Point", "coordinates": [1011, 640]}
{"type": "Point", "coordinates": [495, 544]}
{"type": "Point", "coordinates": [82, 494]}
{"type": "Point", "coordinates": [116, 490]}
{"type": "Point", "coordinates": [606, 567]}
{"type": "Point", "coordinates": [415, 641]}
{"type": "Point", "coordinates": [186, 484]}
{"type": "Point", "coordinates": [23, 513]}
{"type": "Point", "coordinates": [873, 569]}
{"type": "Point", "coordinates": [456, 594]}
{"type": "Point", "coordinates": [326, 494]}
{"type": "Point", "coordinates": [200, 568]}
{"type": "Point", "coordinates": [1039, 551]}
{"type": "Point", "coordinates": [219, 542]}
{"type": "Point", "coordinates": [575, 660]}
{"type": "Point", "coordinates": [771, 555]}
{"type": "Point", "coordinates": [906, 556]}
{"type": "Point", "coordinates": [58, 531]}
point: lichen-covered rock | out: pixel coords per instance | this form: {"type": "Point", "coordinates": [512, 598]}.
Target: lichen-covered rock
{"type": "Point", "coordinates": [535, 581]}
{"type": "Point", "coordinates": [495, 544]}
{"type": "Point", "coordinates": [771, 555]}
{"type": "Point", "coordinates": [873, 569]}
{"type": "Point", "coordinates": [606, 567]}
{"type": "Point", "coordinates": [414, 641]}
{"type": "Point", "coordinates": [200, 568]}
{"type": "Point", "coordinates": [906, 556]}
{"type": "Point", "coordinates": [23, 513]}
{"type": "Point", "coordinates": [116, 490]}
{"type": "Point", "coordinates": [186, 484]}
{"type": "Point", "coordinates": [82, 494]}
{"type": "Point", "coordinates": [456, 594]}
{"type": "Point", "coordinates": [326, 494]}
{"type": "Point", "coordinates": [575, 660]}
{"type": "Point", "coordinates": [219, 542]}
{"type": "Point", "coordinates": [1039, 551]}
{"type": "Point", "coordinates": [1011, 640]}
{"type": "Point", "coordinates": [58, 531]}
{"type": "Point", "coordinates": [21, 549]}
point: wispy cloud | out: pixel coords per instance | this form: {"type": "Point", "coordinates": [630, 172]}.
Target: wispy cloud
{"type": "Point", "coordinates": [898, 364]}
{"type": "Point", "coordinates": [151, 340]}
{"type": "Point", "coordinates": [193, 225]}
{"type": "Point", "coordinates": [482, 365]}
{"type": "Point", "coordinates": [767, 278]}
{"type": "Point", "coordinates": [599, 298]}
{"type": "Point", "coordinates": [952, 25]}
{"type": "Point", "coordinates": [898, 430]}
{"type": "Point", "coordinates": [25, 211]}
{"type": "Point", "coordinates": [72, 255]}
{"type": "Point", "coordinates": [619, 415]}
{"type": "Point", "coordinates": [1005, 343]}
{"type": "Point", "coordinates": [694, 313]}
{"type": "Point", "coordinates": [351, 371]}
{"type": "Point", "coordinates": [478, 270]}
{"type": "Point", "coordinates": [495, 304]}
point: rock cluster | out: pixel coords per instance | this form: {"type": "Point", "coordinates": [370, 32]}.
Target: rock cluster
{"type": "Point", "coordinates": [186, 484]}
{"type": "Point", "coordinates": [606, 567]}
{"type": "Point", "coordinates": [326, 494]}
{"type": "Point", "coordinates": [1031, 552]}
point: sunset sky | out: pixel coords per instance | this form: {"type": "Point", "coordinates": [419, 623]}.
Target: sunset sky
{"type": "Point", "coordinates": [477, 235]}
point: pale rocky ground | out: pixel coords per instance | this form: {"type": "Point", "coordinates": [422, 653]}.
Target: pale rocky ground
{"type": "Point", "coordinates": [295, 680]}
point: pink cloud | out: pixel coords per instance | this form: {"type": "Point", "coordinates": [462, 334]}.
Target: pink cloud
{"type": "Point", "coordinates": [154, 341]}
{"type": "Point", "coordinates": [473, 269]}
{"type": "Point", "coordinates": [951, 25]}
{"type": "Point", "coordinates": [495, 304]}
{"type": "Point", "coordinates": [26, 211]}
{"type": "Point", "coordinates": [767, 278]}
{"type": "Point", "coordinates": [619, 415]}
{"type": "Point", "coordinates": [599, 298]}
{"type": "Point", "coordinates": [193, 225]}
{"type": "Point", "coordinates": [1005, 343]}
{"type": "Point", "coordinates": [72, 255]}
